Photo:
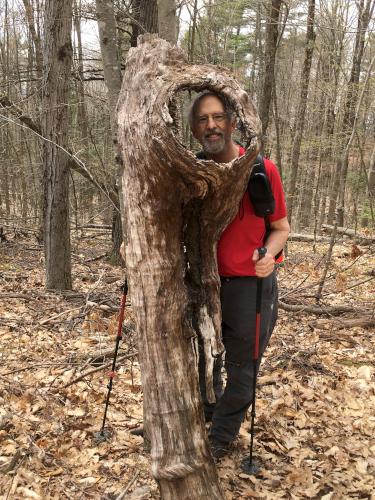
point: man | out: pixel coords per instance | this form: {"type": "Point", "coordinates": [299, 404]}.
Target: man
{"type": "Point", "coordinates": [212, 123]}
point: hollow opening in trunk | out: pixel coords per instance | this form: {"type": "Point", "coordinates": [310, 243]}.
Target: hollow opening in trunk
{"type": "Point", "coordinates": [179, 107]}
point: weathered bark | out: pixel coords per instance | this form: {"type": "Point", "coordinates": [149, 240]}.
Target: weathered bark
{"type": "Point", "coordinates": [161, 180]}
{"type": "Point", "coordinates": [55, 96]}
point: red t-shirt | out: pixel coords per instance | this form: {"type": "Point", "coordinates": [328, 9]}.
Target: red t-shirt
{"type": "Point", "coordinates": [246, 232]}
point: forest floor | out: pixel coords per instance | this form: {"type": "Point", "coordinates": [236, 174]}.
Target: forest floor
{"type": "Point", "coordinates": [315, 423]}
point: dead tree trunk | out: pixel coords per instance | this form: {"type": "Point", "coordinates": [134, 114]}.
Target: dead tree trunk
{"type": "Point", "coordinates": [162, 181]}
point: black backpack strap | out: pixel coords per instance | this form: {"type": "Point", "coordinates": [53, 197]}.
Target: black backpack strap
{"type": "Point", "coordinates": [258, 166]}
{"type": "Point", "coordinates": [261, 195]}
{"type": "Point", "coordinates": [260, 189]}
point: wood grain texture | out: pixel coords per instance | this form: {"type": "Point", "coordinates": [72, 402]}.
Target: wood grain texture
{"type": "Point", "coordinates": [176, 208]}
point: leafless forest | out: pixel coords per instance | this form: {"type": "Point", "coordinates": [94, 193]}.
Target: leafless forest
{"type": "Point", "coordinates": [309, 67]}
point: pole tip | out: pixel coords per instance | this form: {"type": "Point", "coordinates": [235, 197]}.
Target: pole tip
{"type": "Point", "coordinates": [101, 436]}
{"type": "Point", "coordinates": [250, 468]}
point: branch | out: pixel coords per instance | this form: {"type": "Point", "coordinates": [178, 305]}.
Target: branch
{"type": "Point", "coordinates": [332, 311]}
{"type": "Point", "coordinates": [322, 324]}
{"type": "Point", "coordinates": [94, 370]}
{"type": "Point", "coordinates": [75, 163]}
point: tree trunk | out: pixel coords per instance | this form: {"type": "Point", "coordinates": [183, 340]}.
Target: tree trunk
{"type": "Point", "coordinates": [256, 53]}
{"type": "Point", "coordinates": [193, 30]}
{"type": "Point", "coordinates": [145, 19]}
{"type": "Point", "coordinates": [57, 53]}
{"type": "Point", "coordinates": [364, 16]}
{"type": "Point", "coordinates": [35, 37]}
{"type": "Point", "coordinates": [167, 20]}
{"type": "Point", "coordinates": [300, 116]}
{"type": "Point", "coordinates": [81, 111]}
{"type": "Point", "coordinates": [371, 175]}
{"type": "Point", "coordinates": [162, 180]}
{"type": "Point", "coordinates": [111, 60]}
{"type": "Point", "coordinates": [112, 78]}
{"type": "Point", "coordinates": [272, 34]}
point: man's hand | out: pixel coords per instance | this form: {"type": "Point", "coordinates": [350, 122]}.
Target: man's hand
{"type": "Point", "coordinates": [275, 242]}
{"type": "Point", "coordinates": [264, 266]}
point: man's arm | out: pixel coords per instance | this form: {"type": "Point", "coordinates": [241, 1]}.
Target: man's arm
{"type": "Point", "coordinates": [275, 243]}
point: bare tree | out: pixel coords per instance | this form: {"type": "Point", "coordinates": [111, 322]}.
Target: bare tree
{"type": "Point", "coordinates": [301, 111]}
{"type": "Point", "coordinates": [371, 175]}
{"type": "Point", "coordinates": [112, 77]}
{"type": "Point", "coordinates": [272, 35]}
{"type": "Point", "coordinates": [144, 19]}
{"type": "Point", "coordinates": [110, 56]}
{"type": "Point", "coordinates": [365, 13]}
{"type": "Point", "coordinates": [57, 60]}
{"type": "Point", "coordinates": [29, 11]}
{"type": "Point", "coordinates": [167, 20]}
{"type": "Point", "coordinates": [161, 180]}
{"type": "Point", "coordinates": [82, 109]}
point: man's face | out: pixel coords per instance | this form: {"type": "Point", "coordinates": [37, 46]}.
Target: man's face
{"type": "Point", "coordinates": [212, 127]}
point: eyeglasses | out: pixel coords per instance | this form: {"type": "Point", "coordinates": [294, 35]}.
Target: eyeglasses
{"type": "Point", "coordinates": [216, 117]}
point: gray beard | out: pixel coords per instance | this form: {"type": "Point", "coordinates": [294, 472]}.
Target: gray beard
{"type": "Point", "coordinates": [213, 148]}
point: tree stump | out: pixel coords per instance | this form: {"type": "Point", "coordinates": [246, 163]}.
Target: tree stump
{"type": "Point", "coordinates": [176, 207]}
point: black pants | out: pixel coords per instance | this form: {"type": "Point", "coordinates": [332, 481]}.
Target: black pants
{"type": "Point", "coordinates": [238, 297]}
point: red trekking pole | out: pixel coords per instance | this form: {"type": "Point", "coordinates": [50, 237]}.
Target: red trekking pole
{"type": "Point", "coordinates": [102, 435]}
{"type": "Point", "coordinates": [248, 465]}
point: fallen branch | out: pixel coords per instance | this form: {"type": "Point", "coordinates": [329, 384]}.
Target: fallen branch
{"type": "Point", "coordinates": [39, 365]}
{"type": "Point", "coordinates": [94, 370]}
{"type": "Point", "coordinates": [52, 318]}
{"type": "Point", "coordinates": [9, 466]}
{"type": "Point", "coordinates": [360, 282]}
{"type": "Point", "coordinates": [94, 259]}
{"type": "Point", "coordinates": [343, 323]}
{"type": "Point", "coordinates": [16, 296]}
{"type": "Point", "coordinates": [330, 310]}
{"type": "Point", "coordinates": [308, 238]}
{"type": "Point", "coordinates": [106, 227]}
{"type": "Point", "coordinates": [121, 496]}
{"type": "Point", "coordinates": [350, 233]}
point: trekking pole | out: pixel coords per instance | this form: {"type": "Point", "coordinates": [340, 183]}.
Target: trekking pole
{"type": "Point", "coordinates": [101, 436]}
{"type": "Point", "coordinates": [247, 464]}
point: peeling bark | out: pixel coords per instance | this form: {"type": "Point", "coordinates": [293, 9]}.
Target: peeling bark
{"type": "Point", "coordinates": [176, 207]}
